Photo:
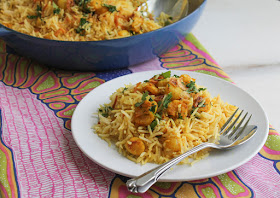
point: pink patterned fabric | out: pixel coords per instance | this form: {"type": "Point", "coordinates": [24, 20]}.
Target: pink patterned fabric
{"type": "Point", "coordinates": [38, 155]}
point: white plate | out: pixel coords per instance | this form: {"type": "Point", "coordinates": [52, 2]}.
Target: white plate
{"type": "Point", "coordinates": [217, 163]}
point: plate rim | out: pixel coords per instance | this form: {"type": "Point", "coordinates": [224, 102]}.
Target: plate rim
{"type": "Point", "coordinates": [157, 72]}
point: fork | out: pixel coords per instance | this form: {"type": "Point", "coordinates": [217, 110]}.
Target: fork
{"type": "Point", "coordinates": [231, 136]}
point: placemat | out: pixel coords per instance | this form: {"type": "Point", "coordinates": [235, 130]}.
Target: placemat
{"type": "Point", "coordinates": [39, 158]}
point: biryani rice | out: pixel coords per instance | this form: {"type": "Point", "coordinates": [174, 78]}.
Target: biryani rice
{"type": "Point", "coordinates": [78, 20]}
{"type": "Point", "coordinates": [199, 126]}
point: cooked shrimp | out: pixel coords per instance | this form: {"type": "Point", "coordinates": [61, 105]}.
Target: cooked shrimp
{"type": "Point", "coordinates": [150, 87]}
{"type": "Point", "coordinates": [97, 5]}
{"type": "Point", "coordinates": [173, 144]}
{"type": "Point", "coordinates": [187, 79]}
{"type": "Point", "coordinates": [135, 146]}
{"type": "Point", "coordinates": [143, 116]}
{"type": "Point", "coordinates": [177, 109]}
{"type": "Point", "coordinates": [172, 87]}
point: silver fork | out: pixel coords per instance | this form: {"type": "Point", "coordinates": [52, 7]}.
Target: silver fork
{"type": "Point", "coordinates": [230, 137]}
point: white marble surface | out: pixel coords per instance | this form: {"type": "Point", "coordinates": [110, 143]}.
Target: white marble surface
{"type": "Point", "coordinates": [244, 38]}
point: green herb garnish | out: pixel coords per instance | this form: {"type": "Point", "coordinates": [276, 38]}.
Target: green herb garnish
{"type": "Point", "coordinates": [111, 8]}
{"type": "Point", "coordinates": [166, 74]}
{"type": "Point", "coordinates": [81, 30]}
{"type": "Point", "coordinates": [201, 104]}
{"type": "Point", "coordinates": [176, 76]}
{"type": "Point", "coordinates": [83, 6]}
{"type": "Point", "coordinates": [180, 116]}
{"type": "Point", "coordinates": [167, 100]}
{"type": "Point", "coordinates": [105, 111]}
{"type": "Point", "coordinates": [201, 89]}
{"type": "Point", "coordinates": [38, 13]}
{"type": "Point", "coordinates": [124, 89]}
{"type": "Point", "coordinates": [153, 124]}
{"type": "Point", "coordinates": [192, 88]}
{"type": "Point", "coordinates": [56, 9]}
{"type": "Point", "coordinates": [144, 96]}
{"type": "Point", "coordinates": [164, 103]}
{"type": "Point", "coordinates": [153, 108]}
{"type": "Point", "coordinates": [158, 116]}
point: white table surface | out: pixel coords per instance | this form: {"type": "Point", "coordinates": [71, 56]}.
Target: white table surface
{"type": "Point", "coordinates": [243, 36]}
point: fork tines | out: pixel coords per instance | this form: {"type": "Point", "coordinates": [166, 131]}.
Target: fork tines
{"type": "Point", "coordinates": [233, 131]}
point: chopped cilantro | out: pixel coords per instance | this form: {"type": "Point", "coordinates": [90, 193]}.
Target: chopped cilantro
{"type": "Point", "coordinates": [38, 13]}
{"type": "Point", "coordinates": [166, 100]}
{"type": "Point", "coordinates": [166, 74]}
{"type": "Point", "coordinates": [158, 116]}
{"type": "Point", "coordinates": [144, 96]}
{"type": "Point", "coordinates": [180, 116]}
{"type": "Point", "coordinates": [176, 76]}
{"type": "Point", "coordinates": [124, 89]}
{"type": "Point", "coordinates": [201, 89]}
{"type": "Point", "coordinates": [81, 30]}
{"type": "Point", "coordinates": [146, 80]}
{"type": "Point", "coordinates": [201, 104]}
{"type": "Point", "coordinates": [111, 8]}
{"type": "Point", "coordinates": [83, 6]}
{"type": "Point", "coordinates": [105, 111]}
{"type": "Point", "coordinates": [153, 124]}
{"type": "Point", "coordinates": [191, 84]}
{"type": "Point", "coordinates": [153, 108]}
{"type": "Point", "coordinates": [56, 9]}
{"type": "Point", "coordinates": [83, 21]}
{"type": "Point", "coordinates": [191, 87]}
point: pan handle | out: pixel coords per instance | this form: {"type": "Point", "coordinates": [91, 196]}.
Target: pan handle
{"type": "Point", "coordinates": [4, 31]}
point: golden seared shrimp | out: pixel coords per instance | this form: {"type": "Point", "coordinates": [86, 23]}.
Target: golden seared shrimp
{"type": "Point", "coordinates": [135, 146]}
{"type": "Point", "coordinates": [150, 87]}
{"type": "Point", "coordinates": [173, 144]}
{"type": "Point", "coordinates": [172, 87]}
{"type": "Point", "coordinates": [177, 109]}
{"type": "Point", "coordinates": [62, 3]}
{"type": "Point", "coordinates": [162, 83]}
{"type": "Point", "coordinates": [187, 79]}
{"type": "Point", "coordinates": [125, 8]}
{"type": "Point", "coordinates": [97, 6]}
{"type": "Point", "coordinates": [143, 116]}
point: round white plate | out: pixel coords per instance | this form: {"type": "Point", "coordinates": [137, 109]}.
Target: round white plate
{"type": "Point", "coordinates": [216, 163]}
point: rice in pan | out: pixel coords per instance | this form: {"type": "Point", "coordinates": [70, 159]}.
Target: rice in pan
{"type": "Point", "coordinates": [161, 118]}
{"type": "Point", "coordinates": [78, 20]}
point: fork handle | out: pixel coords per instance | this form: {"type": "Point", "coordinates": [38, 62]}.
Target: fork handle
{"type": "Point", "coordinates": [143, 182]}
